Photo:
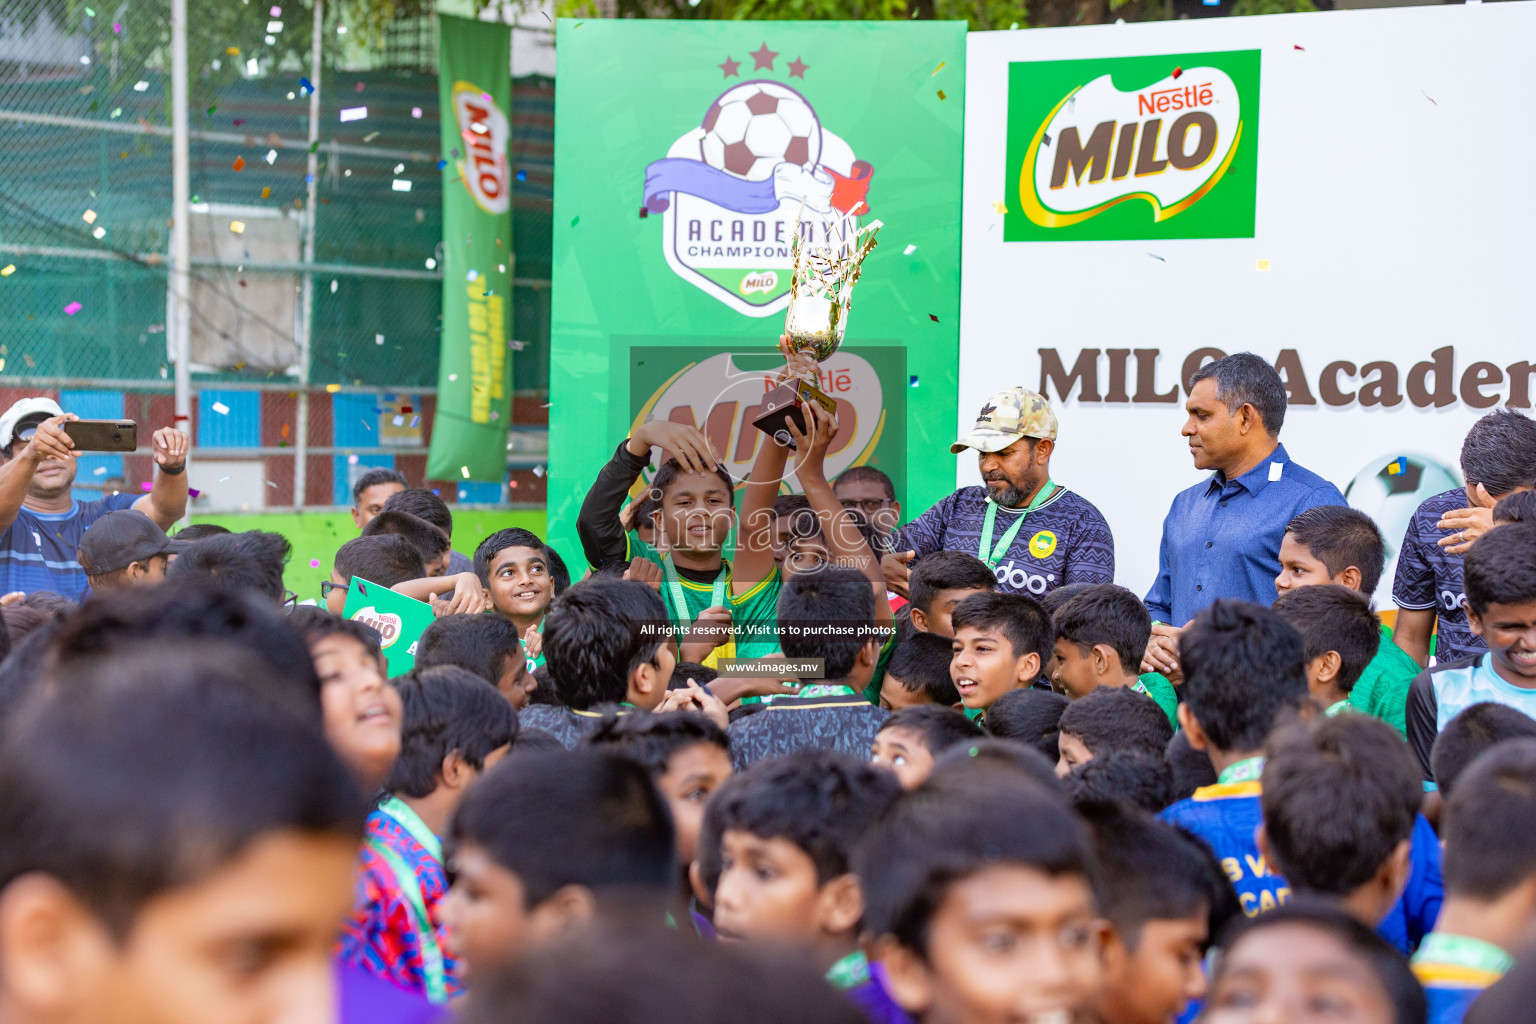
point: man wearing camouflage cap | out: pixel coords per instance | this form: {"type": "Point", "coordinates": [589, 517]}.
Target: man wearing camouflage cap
{"type": "Point", "coordinates": [1034, 534]}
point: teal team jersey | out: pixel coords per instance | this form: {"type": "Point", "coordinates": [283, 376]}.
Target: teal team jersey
{"type": "Point", "coordinates": [1382, 690]}
{"type": "Point", "coordinates": [754, 615]}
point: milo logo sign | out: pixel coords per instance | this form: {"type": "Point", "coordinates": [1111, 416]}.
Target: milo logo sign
{"type": "Point", "coordinates": [1133, 148]}
{"type": "Point", "coordinates": [483, 127]}
{"type": "Point", "coordinates": [387, 623]}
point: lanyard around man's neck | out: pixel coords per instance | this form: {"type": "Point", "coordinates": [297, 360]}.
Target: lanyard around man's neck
{"type": "Point", "coordinates": [985, 550]}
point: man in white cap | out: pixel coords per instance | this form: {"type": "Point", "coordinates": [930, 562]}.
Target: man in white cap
{"type": "Point", "coordinates": [41, 523]}
{"type": "Point", "coordinates": [1033, 533]}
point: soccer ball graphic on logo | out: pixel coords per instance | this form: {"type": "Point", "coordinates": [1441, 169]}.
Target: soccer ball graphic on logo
{"type": "Point", "coordinates": [1389, 490]}
{"type": "Point", "coordinates": [753, 127]}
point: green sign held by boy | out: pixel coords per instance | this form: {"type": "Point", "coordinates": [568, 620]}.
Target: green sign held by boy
{"type": "Point", "coordinates": [400, 621]}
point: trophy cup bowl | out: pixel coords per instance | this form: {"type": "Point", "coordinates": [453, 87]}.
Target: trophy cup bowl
{"type": "Point", "coordinates": [814, 324]}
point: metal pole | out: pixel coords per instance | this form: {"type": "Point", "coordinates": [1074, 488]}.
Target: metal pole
{"type": "Point", "coordinates": [181, 238]}
{"type": "Point", "coordinates": [307, 288]}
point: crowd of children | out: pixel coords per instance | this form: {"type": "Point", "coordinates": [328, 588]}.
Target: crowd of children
{"type": "Point", "coordinates": [722, 774]}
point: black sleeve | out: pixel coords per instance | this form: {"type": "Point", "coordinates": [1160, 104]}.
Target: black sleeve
{"type": "Point", "coordinates": [598, 526]}
{"type": "Point", "coordinates": [1422, 720]}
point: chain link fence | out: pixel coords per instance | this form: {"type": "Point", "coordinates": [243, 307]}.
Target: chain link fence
{"type": "Point", "coordinates": [85, 211]}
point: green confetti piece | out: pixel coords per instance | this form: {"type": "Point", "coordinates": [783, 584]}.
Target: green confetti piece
{"type": "Point", "coordinates": [213, 109]}
{"type": "Point", "coordinates": [314, 147]}
{"type": "Point", "coordinates": [574, 221]}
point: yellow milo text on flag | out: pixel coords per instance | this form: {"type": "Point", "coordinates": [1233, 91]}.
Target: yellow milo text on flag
{"type": "Point", "coordinates": [487, 360]}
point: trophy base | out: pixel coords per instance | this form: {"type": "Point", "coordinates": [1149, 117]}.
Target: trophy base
{"type": "Point", "coordinates": [781, 406]}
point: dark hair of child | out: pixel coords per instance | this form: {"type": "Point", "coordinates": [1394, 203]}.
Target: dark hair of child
{"type": "Point", "coordinates": [821, 801]}
{"type": "Point", "coordinates": [867, 474]}
{"type": "Point", "coordinates": [447, 710]}
{"type": "Point", "coordinates": [429, 541]}
{"type": "Point", "coordinates": [1497, 452]}
{"type": "Point", "coordinates": [571, 817]}
{"type": "Point", "coordinates": [1115, 718]}
{"type": "Point", "coordinates": [1190, 768]}
{"type": "Point", "coordinates": [949, 829]}
{"type": "Point", "coordinates": [1339, 795]}
{"type": "Point", "coordinates": [1389, 966]}
{"type": "Point", "coordinates": [921, 665]}
{"type": "Point", "coordinates": [656, 975]}
{"type": "Point", "coordinates": [1018, 617]}
{"type": "Point", "coordinates": [110, 625]}
{"type": "Point", "coordinates": [423, 504]}
{"type": "Point", "coordinates": [992, 756]}
{"type": "Point", "coordinates": [596, 635]}
{"type": "Point", "coordinates": [808, 603]}
{"type": "Point", "coordinates": [385, 560]}
{"type": "Point", "coordinates": [1340, 537]}
{"type": "Point", "coordinates": [156, 768]}
{"type": "Point", "coordinates": [480, 643]}
{"type": "Point", "coordinates": [315, 624]}
{"type": "Point", "coordinates": [651, 740]}
{"type": "Point", "coordinates": [1106, 614]}
{"type": "Point", "coordinates": [1150, 870]}
{"type": "Point", "coordinates": [1519, 507]}
{"type": "Point", "coordinates": [1032, 717]}
{"type": "Point", "coordinates": [1501, 567]}
{"type": "Point", "coordinates": [1126, 777]}
{"type": "Point", "coordinates": [904, 629]}
{"type": "Point", "coordinates": [251, 562]}
{"type": "Point", "coordinates": [544, 692]}
{"type": "Point", "coordinates": [517, 537]}
{"type": "Point", "coordinates": [947, 570]}
{"type": "Point", "coordinates": [201, 531]}
{"type": "Point", "coordinates": [22, 669]}
{"type": "Point", "coordinates": [1489, 823]}
{"type": "Point", "coordinates": [685, 672]}
{"type": "Point", "coordinates": [1477, 728]}
{"type": "Point", "coordinates": [670, 470]}
{"type": "Point", "coordinates": [939, 727]}
{"type": "Point", "coordinates": [374, 477]}
{"type": "Point", "coordinates": [1244, 668]}
{"type": "Point", "coordinates": [1054, 599]}
{"type": "Point", "coordinates": [1334, 618]}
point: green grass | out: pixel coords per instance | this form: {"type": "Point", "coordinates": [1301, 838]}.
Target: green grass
{"type": "Point", "coordinates": [315, 536]}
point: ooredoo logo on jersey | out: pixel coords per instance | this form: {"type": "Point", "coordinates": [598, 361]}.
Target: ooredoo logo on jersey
{"type": "Point", "coordinates": [1133, 148]}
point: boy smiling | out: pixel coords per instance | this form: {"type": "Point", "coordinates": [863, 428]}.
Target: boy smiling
{"type": "Point", "coordinates": [1001, 642]}
{"type": "Point", "coordinates": [516, 567]}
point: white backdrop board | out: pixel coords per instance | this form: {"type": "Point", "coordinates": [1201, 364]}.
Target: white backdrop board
{"type": "Point", "coordinates": [1372, 229]}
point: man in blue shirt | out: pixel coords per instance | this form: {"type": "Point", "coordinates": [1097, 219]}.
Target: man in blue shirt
{"type": "Point", "coordinates": [1222, 536]}
{"type": "Point", "coordinates": [1034, 534]}
{"type": "Point", "coordinates": [40, 521]}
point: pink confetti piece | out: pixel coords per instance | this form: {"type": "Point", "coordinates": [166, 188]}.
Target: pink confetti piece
{"type": "Point", "coordinates": [146, 486]}
{"type": "Point", "coordinates": [314, 563]}
{"type": "Point", "coordinates": [72, 309]}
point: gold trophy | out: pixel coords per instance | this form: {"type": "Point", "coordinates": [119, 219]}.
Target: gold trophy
{"type": "Point", "coordinates": [820, 291]}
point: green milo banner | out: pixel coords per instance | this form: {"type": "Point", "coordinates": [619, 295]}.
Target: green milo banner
{"type": "Point", "coordinates": [689, 153]}
{"type": "Point", "coordinates": [1132, 147]}
{"type": "Point", "coordinates": [400, 621]}
{"type": "Point", "coordinates": [474, 396]}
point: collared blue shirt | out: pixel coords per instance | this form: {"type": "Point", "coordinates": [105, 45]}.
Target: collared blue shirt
{"type": "Point", "coordinates": [1221, 537]}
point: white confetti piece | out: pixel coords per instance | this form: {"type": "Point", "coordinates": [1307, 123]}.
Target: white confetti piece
{"type": "Point", "coordinates": [89, 216]}
{"type": "Point", "coordinates": [99, 471]}
{"type": "Point", "coordinates": [378, 339]}
{"type": "Point", "coordinates": [538, 470]}
{"type": "Point", "coordinates": [353, 113]}
{"type": "Point", "coordinates": [221, 408]}
{"type": "Point", "coordinates": [465, 471]}
{"type": "Point", "coordinates": [271, 156]}
{"type": "Point", "coordinates": [909, 250]}
{"type": "Point", "coordinates": [401, 185]}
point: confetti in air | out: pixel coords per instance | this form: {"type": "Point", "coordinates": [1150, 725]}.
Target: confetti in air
{"type": "Point", "coordinates": [353, 113]}
{"type": "Point", "coordinates": [73, 308]}
{"type": "Point", "coordinates": [220, 408]}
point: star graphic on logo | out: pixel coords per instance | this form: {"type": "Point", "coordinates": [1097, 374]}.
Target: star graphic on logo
{"type": "Point", "coordinates": [731, 68]}
{"type": "Point", "coordinates": [797, 68]}
{"type": "Point", "coordinates": [763, 58]}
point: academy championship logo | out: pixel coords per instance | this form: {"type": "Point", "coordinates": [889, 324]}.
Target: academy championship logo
{"type": "Point", "coordinates": [484, 129]}
{"type": "Point", "coordinates": [730, 188]}
{"type": "Point", "coordinates": [1142, 147]}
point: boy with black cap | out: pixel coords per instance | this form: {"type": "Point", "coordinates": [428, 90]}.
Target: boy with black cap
{"type": "Point", "coordinates": [126, 548]}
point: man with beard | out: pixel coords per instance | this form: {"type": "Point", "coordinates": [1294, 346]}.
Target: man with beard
{"type": "Point", "coordinates": [40, 521]}
{"type": "Point", "coordinates": [1033, 533]}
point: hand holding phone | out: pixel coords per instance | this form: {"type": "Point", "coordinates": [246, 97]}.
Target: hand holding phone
{"type": "Point", "coordinates": [103, 435]}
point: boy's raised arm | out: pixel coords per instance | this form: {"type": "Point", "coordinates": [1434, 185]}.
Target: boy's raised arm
{"type": "Point", "coordinates": [598, 525]}
{"type": "Point", "coordinates": [844, 540]}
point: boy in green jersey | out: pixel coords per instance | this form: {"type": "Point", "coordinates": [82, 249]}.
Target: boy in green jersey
{"type": "Point", "coordinates": [1337, 544]}
{"type": "Point", "coordinates": [1340, 633]}
{"type": "Point", "coordinates": [521, 577]}
{"type": "Point", "coordinates": [1100, 634]}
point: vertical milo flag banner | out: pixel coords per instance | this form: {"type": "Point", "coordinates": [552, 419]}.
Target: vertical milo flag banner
{"type": "Point", "coordinates": [474, 389]}
{"type": "Point", "coordinates": [689, 152]}
{"type": "Point", "coordinates": [1133, 147]}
